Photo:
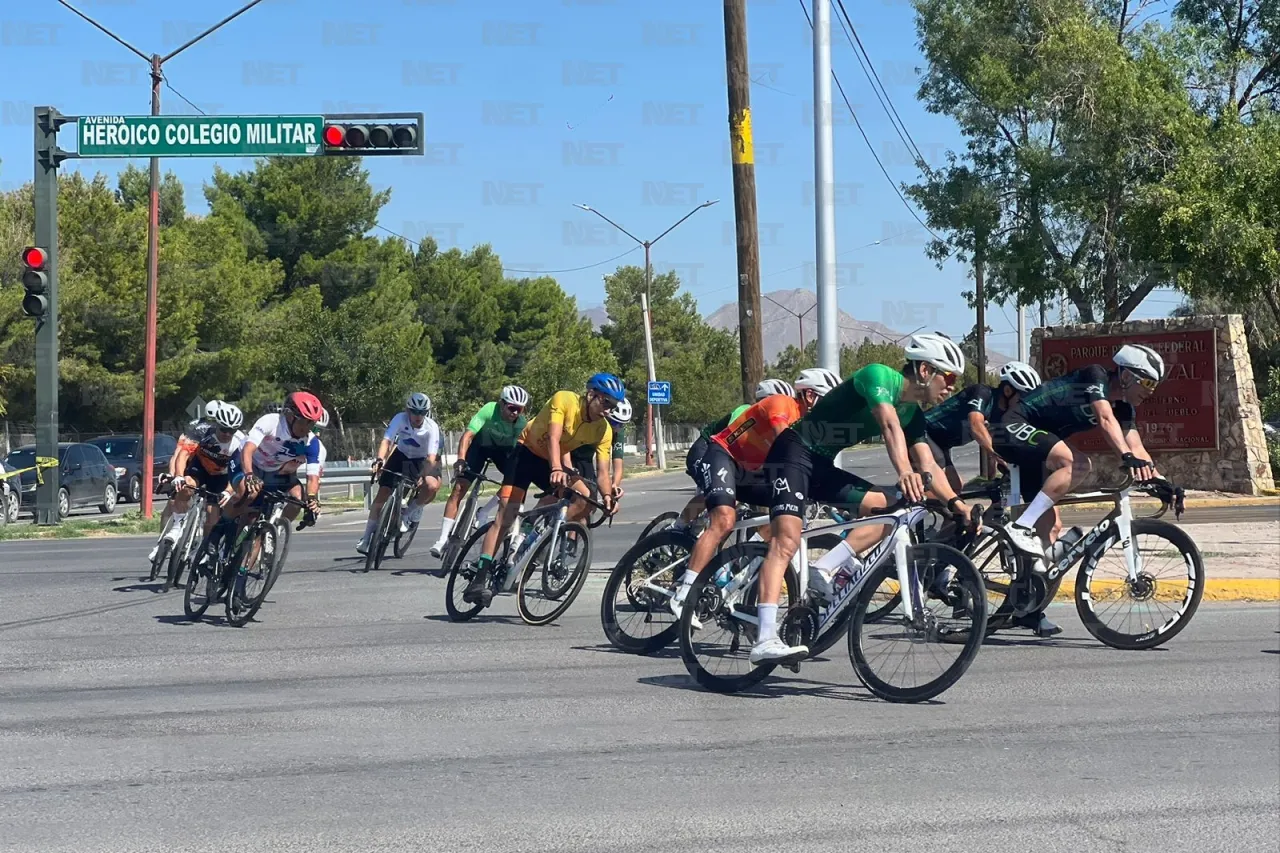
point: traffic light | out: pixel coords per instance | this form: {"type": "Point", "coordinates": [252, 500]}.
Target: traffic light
{"type": "Point", "coordinates": [372, 134]}
{"type": "Point", "coordinates": [35, 279]}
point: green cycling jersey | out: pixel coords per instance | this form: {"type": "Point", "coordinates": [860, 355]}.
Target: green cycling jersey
{"type": "Point", "coordinates": [716, 426]}
{"type": "Point", "coordinates": [843, 417]}
{"type": "Point", "coordinates": [492, 430]}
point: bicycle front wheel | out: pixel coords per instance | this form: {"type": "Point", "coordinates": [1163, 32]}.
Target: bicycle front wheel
{"type": "Point", "coordinates": [253, 565]}
{"type": "Point", "coordinates": [461, 573]}
{"type": "Point", "coordinates": [662, 522]}
{"type": "Point", "coordinates": [1161, 601]}
{"type": "Point", "coordinates": [635, 614]}
{"type": "Point", "coordinates": [946, 633]}
{"type": "Point", "coordinates": [555, 575]}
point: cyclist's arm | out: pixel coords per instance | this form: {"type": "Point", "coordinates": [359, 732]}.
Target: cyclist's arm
{"type": "Point", "coordinates": [978, 425]}
{"type": "Point", "coordinates": [895, 440]}
{"type": "Point", "coordinates": [246, 458]}
{"type": "Point", "coordinates": [555, 455]}
{"type": "Point", "coordinates": [384, 450]}
{"type": "Point", "coordinates": [603, 478]}
{"type": "Point", "coordinates": [617, 471]}
{"type": "Point", "coordinates": [173, 460]}
{"type": "Point", "coordinates": [922, 456]}
{"type": "Point", "coordinates": [1110, 426]}
{"type": "Point", "coordinates": [464, 444]}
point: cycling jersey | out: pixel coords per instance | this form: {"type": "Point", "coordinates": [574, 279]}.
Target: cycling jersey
{"type": "Point", "coordinates": [716, 426]}
{"type": "Point", "coordinates": [413, 442]}
{"type": "Point", "coordinates": [584, 457]}
{"type": "Point", "coordinates": [490, 429]}
{"type": "Point", "coordinates": [213, 454]}
{"type": "Point", "coordinates": [843, 417]}
{"type": "Point", "coordinates": [567, 408]}
{"type": "Point", "coordinates": [275, 447]}
{"type": "Point", "coordinates": [1064, 406]}
{"type": "Point", "coordinates": [748, 438]}
{"type": "Point", "coordinates": [947, 423]}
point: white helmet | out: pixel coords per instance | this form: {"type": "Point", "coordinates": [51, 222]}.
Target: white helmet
{"type": "Point", "coordinates": [1142, 360]}
{"type": "Point", "coordinates": [418, 404]}
{"type": "Point", "coordinates": [937, 350]}
{"type": "Point", "coordinates": [817, 379]}
{"type": "Point", "coordinates": [1020, 375]}
{"type": "Point", "coordinates": [515, 395]}
{"type": "Point", "coordinates": [211, 408]}
{"type": "Point", "coordinates": [324, 420]}
{"type": "Point", "coordinates": [621, 413]}
{"type": "Point", "coordinates": [769, 387]}
{"type": "Point", "coordinates": [225, 415]}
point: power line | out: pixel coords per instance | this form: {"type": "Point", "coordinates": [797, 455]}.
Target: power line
{"type": "Point", "coordinates": [865, 139]}
{"type": "Point", "coordinates": [169, 86]}
{"type": "Point", "coordinates": [869, 71]}
{"type": "Point", "coordinates": [415, 243]}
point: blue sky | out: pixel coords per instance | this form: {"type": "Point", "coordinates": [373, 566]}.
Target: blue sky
{"type": "Point", "coordinates": [532, 107]}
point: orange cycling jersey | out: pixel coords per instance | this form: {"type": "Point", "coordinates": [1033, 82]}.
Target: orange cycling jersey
{"type": "Point", "coordinates": [749, 436]}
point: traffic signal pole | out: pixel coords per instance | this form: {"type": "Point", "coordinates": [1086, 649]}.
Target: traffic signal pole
{"type": "Point", "coordinates": [47, 158]}
{"type": "Point", "coordinates": [153, 275]}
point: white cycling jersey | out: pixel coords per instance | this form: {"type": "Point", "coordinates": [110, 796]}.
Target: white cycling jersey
{"type": "Point", "coordinates": [413, 443]}
{"type": "Point", "coordinates": [322, 454]}
{"type": "Point", "coordinates": [275, 447]}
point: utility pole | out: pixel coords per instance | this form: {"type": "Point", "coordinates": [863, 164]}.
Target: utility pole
{"type": "Point", "coordinates": [980, 296]}
{"type": "Point", "coordinates": [644, 306]}
{"type": "Point", "coordinates": [156, 62]}
{"type": "Point", "coordinates": [742, 146]}
{"type": "Point", "coordinates": [824, 189]}
{"type": "Point", "coordinates": [1022, 332]}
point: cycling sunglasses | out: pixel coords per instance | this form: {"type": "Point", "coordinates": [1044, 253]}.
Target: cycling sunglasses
{"type": "Point", "coordinates": [513, 409]}
{"type": "Point", "coordinates": [948, 377]}
{"type": "Point", "coordinates": [1149, 384]}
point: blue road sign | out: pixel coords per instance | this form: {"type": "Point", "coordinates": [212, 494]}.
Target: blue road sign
{"type": "Point", "coordinates": [660, 393]}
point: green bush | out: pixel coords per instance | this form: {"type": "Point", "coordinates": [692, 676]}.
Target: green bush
{"type": "Point", "coordinates": [1273, 453]}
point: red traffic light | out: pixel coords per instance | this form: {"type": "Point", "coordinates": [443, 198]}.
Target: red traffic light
{"type": "Point", "coordinates": [34, 257]}
{"type": "Point", "coordinates": [334, 135]}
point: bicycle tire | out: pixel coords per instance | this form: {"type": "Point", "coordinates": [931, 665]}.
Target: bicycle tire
{"type": "Point", "coordinates": [281, 533]}
{"type": "Point", "coordinates": [400, 546]}
{"type": "Point", "coordinates": [457, 572]}
{"type": "Point", "coordinates": [622, 575]}
{"type": "Point", "coordinates": [571, 588]}
{"type": "Point", "coordinates": [181, 553]}
{"type": "Point", "coordinates": [378, 544]}
{"type": "Point", "coordinates": [162, 557]}
{"type": "Point", "coordinates": [698, 600]}
{"type": "Point", "coordinates": [238, 617]}
{"type": "Point", "coordinates": [194, 580]}
{"type": "Point", "coordinates": [964, 573]}
{"type": "Point", "coordinates": [661, 522]}
{"type": "Point", "coordinates": [462, 529]}
{"type": "Point", "coordinates": [1149, 639]}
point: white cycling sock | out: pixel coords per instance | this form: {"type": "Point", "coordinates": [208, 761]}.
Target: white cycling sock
{"type": "Point", "coordinates": [369, 525]}
{"type": "Point", "coordinates": [488, 509]}
{"type": "Point", "coordinates": [446, 527]}
{"type": "Point", "coordinates": [175, 532]}
{"type": "Point", "coordinates": [835, 558]}
{"type": "Point", "coordinates": [768, 615]}
{"type": "Point", "coordinates": [686, 583]}
{"type": "Point", "coordinates": [1039, 505]}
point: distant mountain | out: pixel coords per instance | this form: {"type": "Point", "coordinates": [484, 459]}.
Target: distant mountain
{"type": "Point", "coordinates": [781, 329]}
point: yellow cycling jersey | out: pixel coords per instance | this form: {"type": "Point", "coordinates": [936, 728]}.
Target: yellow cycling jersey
{"type": "Point", "coordinates": [569, 409]}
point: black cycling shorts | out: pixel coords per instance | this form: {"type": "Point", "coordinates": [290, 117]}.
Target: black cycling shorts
{"type": "Point", "coordinates": [527, 468]}
{"type": "Point", "coordinates": [1026, 446]}
{"type": "Point", "coordinates": [941, 453]}
{"type": "Point", "coordinates": [205, 480]}
{"type": "Point", "coordinates": [696, 450]}
{"type": "Point", "coordinates": [799, 477]}
{"type": "Point", "coordinates": [479, 454]}
{"type": "Point", "coordinates": [724, 482]}
{"type": "Point", "coordinates": [398, 463]}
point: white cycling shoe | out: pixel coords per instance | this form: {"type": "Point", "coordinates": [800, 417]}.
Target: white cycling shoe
{"type": "Point", "coordinates": [1028, 542]}
{"type": "Point", "coordinates": [773, 650]}
{"type": "Point", "coordinates": [437, 548]}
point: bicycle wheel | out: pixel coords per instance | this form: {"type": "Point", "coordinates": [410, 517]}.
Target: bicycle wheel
{"type": "Point", "coordinates": [554, 575]}
{"type": "Point", "coordinates": [180, 555]}
{"type": "Point", "coordinates": [727, 668]}
{"type": "Point", "coordinates": [998, 569]}
{"type": "Point", "coordinates": [251, 571]}
{"type": "Point", "coordinates": [404, 540]}
{"type": "Point", "coordinates": [949, 628]}
{"type": "Point", "coordinates": [202, 590]}
{"type": "Point", "coordinates": [662, 522]}
{"type": "Point", "coordinates": [636, 617]}
{"type": "Point", "coordinates": [461, 573]}
{"type": "Point", "coordinates": [279, 544]}
{"type": "Point", "coordinates": [1172, 571]}
{"type": "Point", "coordinates": [162, 556]}
{"type": "Point", "coordinates": [382, 532]}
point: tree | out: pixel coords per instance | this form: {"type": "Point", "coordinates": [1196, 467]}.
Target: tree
{"type": "Point", "coordinates": [134, 191]}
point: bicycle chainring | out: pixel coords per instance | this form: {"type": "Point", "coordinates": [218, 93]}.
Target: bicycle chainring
{"type": "Point", "coordinates": [799, 627]}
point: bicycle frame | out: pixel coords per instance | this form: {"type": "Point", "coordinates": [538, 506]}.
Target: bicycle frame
{"type": "Point", "coordinates": [524, 552]}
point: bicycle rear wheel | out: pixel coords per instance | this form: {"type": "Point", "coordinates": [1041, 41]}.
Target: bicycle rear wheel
{"type": "Point", "coordinates": [723, 665]}
{"type": "Point", "coordinates": [201, 591]}
{"type": "Point", "coordinates": [1165, 596]}
{"type": "Point", "coordinates": [253, 565]}
{"type": "Point", "coordinates": [948, 628]}
{"type": "Point", "coordinates": [404, 540]}
{"type": "Point", "coordinates": [637, 618]}
{"type": "Point", "coordinates": [554, 575]}
{"type": "Point", "coordinates": [461, 573]}
{"type": "Point", "coordinates": [662, 522]}
{"type": "Point", "coordinates": [382, 534]}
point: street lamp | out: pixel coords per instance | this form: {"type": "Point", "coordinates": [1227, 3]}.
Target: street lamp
{"type": "Point", "coordinates": [648, 330]}
{"type": "Point", "coordinates": [799, 316]}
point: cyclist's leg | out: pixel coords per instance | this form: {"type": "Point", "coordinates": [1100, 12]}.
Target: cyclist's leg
{"type": "Point", "coordinates": [719, 482]}
{"type": "Point", "coordinates": [692, 468]}
{"type": "Point", "coordinates": [386, 482]}
{"type": "Point", "coordinates": [526, 469]}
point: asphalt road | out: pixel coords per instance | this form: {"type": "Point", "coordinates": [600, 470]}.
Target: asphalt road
{"type": "Point", "coordinates": [354, 716]}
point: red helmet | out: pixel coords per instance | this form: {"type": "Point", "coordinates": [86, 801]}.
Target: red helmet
{"type": "Point", "coordinates": [305, 405]}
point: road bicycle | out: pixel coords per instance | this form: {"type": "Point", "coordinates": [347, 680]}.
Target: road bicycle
{"type": "Point", "coordinates": [943, 612]}
{"type": "Point", "coordinates": [548, 556]}
{"type": "Point", "coordinates": [183, 552]}
{"type": "Point", "coordinates": [465, 522]}
{"type": "Point", "coordinates": [388, 532]}
{"type": "Point", "coordinates": [1159, 569]}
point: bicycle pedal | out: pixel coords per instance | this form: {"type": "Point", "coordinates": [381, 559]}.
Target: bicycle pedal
{"type": "Point", "coordinates": [794, 666]}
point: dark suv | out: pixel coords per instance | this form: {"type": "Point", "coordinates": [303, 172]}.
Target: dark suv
{"type": "Point", "coordinates": [124, 452]}
{"type": "Point", "coordinates": [85, 477]}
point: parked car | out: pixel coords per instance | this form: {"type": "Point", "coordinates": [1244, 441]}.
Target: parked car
{"type": "Point", "coordinates": [124, 452]}
{"type": "Point", "coordinates": [85, 478]}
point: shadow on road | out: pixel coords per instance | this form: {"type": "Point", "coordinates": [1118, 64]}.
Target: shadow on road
{"type": "Point", "coordinates": [480, 619]}
{"type": "Point", "coordinates": [143, 585]}
{"type": "Point", "coordinates": [74, 614]}
{"type": "Point", "coordinates": [1048, 643]}
{"type": "Point", "coordinates": [776, 688]}
{"type": "Point", "coordinates": [670, 652]}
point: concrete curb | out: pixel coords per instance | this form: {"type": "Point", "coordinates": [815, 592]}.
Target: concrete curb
{"type": "Point", "coordinates": [1190, 503]}
{"type": "Point", "coordinates": [1215, 589]}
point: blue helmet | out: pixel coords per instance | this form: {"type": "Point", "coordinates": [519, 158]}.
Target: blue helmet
{"type": "Point", "coordinates": [608, 385]}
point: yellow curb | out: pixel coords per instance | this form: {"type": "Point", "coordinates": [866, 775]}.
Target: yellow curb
{"type": "Point", "coordinates": [1190, 503]}
{"type": "Point", "coordinates": [1220, 589]}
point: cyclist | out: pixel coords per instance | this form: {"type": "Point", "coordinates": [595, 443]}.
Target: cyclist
{"type": "Point", "coordinates": [166, 479]}
{"type": "Point", "coordinates": [274, 441]}
{"type": "Point", "coordinates": [766, 388]}
{"type": "Point", "coordinates": [490, 436]}
{"type": "Point", "coordinates": [963, 417]}
{"type": "Point", "coordinates": [322, 453]}
{"type": "Point", "coordinates": [1032, 433]}
{"type": "Point", "coordinates": [874, 401]}
{"type": "Point", "coordinates": [731, 469]}
{"type": "Point", "coordinates": [569, 420]}
{"type": "Point", "coordinates": [583, 459]}
{"type": "Point", "coordinates": [415, 438]}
